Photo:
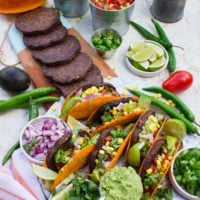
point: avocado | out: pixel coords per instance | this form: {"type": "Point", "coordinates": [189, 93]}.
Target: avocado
{"type": "Point", "coordinates": [13, 79]}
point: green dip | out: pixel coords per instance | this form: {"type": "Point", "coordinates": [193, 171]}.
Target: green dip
{"type": "Point", "coordinates": [121, 183]}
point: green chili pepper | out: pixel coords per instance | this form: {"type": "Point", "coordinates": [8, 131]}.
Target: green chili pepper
{"type": "Point", "coordinates": [150, 36]}
{"type": "Point", "coordinates": [10, 152]}
{"type": "Point", "coordinates": [24, 97]}
{"type": "Point", "coordinates": [163, 36]}
{"type": "Point", "coordinates": [179, 103]}
{"type": "Point", "coordinates": [33, 109]}
{"type": "Point", "coordinates": [169, 110]}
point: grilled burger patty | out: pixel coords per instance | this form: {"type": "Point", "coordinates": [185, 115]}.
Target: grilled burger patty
{"type": "Point", "coordinates": [72, 72]}
{"type": "Point", "coordinates": [38, 21]}
{"type": "Point", "coordinates": [38, 42]}
{"type": "Point", "coordinates": [58, 54]}
{"type": "Point", "coordinates": [94, 77]}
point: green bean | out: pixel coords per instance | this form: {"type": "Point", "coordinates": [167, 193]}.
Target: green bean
{"type": "Point", "coordinates": [150, 36]}
{"type": "Point", "coordinates": [167, 109]}
{"type": "Point", "coordinates": [10, 152]}
{"type": "Point", "coordinates": [163, 36]}
{"type": "Point", "coordinates": [33, 109]}
{"type": "Point", "coordinates": [179, 103]}
{"type": "Point", "coordinates": [24, 98]}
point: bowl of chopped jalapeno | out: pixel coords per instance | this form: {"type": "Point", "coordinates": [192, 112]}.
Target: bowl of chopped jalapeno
{"type": "Point", "coordinates": [106, 42]}
{"type": "Point", "coordinates": [185, 173]}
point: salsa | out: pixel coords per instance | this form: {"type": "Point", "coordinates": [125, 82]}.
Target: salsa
{"type": "Point", "coordinates": [112, 4]}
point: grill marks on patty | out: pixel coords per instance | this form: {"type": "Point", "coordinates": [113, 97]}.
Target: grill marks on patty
{"type": "Point", "coordinates": [38, 42]}
{"type": "Point", "coordinates": [72, 72]}
{"type": "Point", "coordinates": [38, 21]}
{"type": "Point", "coordinates": [58, 54]}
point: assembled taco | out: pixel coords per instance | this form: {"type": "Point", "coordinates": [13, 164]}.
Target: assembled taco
{"type": "Point", "coordinates": [90, 98]}
{"type": "Point", "coordinates": [108, 149]}
{"type": "Point", "coordinates": [157, 162]}
{"type": "Point", "coordinates": [118, 112]}
{"type": "Point", "coordinates": [70, 153]}
{"type": "Point", "coordinates": [147, 128]}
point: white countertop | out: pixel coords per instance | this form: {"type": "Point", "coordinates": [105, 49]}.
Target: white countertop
{"type": "Point", "coordinates": [185, 33]}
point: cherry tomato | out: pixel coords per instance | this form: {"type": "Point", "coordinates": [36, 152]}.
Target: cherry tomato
{"type": "Point", "coordinates": [178, 81]}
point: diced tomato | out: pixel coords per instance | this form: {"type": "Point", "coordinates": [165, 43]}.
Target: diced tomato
{"type": "Point", "coordinates": [121, 2]}
{"type": "Point", "coordinates": [108, 138]}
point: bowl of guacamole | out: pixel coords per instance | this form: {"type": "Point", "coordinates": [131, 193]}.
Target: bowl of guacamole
{"type": "Point", "coordinates": [121, 183]}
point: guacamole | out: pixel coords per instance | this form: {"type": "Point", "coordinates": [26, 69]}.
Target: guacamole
{"type": "Point", "coordinates": [121, 183]}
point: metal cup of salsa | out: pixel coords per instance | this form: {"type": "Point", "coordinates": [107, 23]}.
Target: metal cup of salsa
{"type": "Point", "coordinates": [111, 15]}
{"type": "Point", "coordinates": [106, 42]}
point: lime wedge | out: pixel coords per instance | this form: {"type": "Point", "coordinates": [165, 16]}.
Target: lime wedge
{"type": "Point", "coordinates": [157, 64]}
{"type": "Point", "coordinates": [145, 64]}
{"type": "Point", "coordinates": [44, 173]}
{"type": "Point", "coordinates": [143, 54]}
{"type": "Point", "coordinates": [137, 46]}
{"type": "Point", "coordinates": [137, 65]}
{"type": "Point", "coordinates": [159, 51]}
{"type": "Point", "coordinates": [133, 157]}
{"type": "Point", "coordinates": [153, 57]}
{"type": "Point", "coordinates": [75, 124]}
{"type": "Point", "coordinates": [175, 127]}
{"type": "Point", "coordinates": [130, 54]}
{"type": "Point", "coordinates": [62, 193]}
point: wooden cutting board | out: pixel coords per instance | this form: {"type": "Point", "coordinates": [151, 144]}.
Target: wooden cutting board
{"type": "Point", "coordinates": [33, 68]}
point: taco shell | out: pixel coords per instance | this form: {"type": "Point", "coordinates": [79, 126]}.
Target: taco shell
{"type": "Point", "coordinates": [78, 161]}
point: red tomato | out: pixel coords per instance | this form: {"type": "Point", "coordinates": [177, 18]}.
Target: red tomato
{"type": "Point", "coordinates": [178, 81]}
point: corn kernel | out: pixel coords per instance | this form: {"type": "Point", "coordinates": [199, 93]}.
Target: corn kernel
{"type": "Point", "coordinates": [54, 108]}
{"type": "Point", "coordinates": [159, 95]}
{"type": "Point", "coordinates": [107, 143]}
{"type": "Point", "coordinates": [120, 140]}
{"type": "Point", "coordinates": [167, 103]}
{"type": "Point", "coordinates": [165, 150]}
{"type": "Point", "coordinates": [125, 113]}
{"type": "Point", "coordinates": [149, 171]}
{"type": "Point", "coordinates": [127, 87]}
{"type": "Point", "coordinates": [114, 153]}
{"type": "Point", "coordinates": [163, 156]}
{"type": "Point", "coordinates": [167, 162]}
{"type": "Point", "coordinates": [173, 105]}
{"type": "Point", "coordinates": [158, 162]}
{"type": "Point", "coordinates": [170, 158]}
{"type": "Point", "coordinates": [96, 161]}
{"type": "Point", "coordinates": [136, 86]}
{"type": "Point", "coordinates": [81, 141]}
{"type": "Point", "coordinates": [159, 158]}
{"type": "Point", "coordinates": [170, 101]}
{"type": "Point", "coordinates": [109, 77]}
{"type": "Point", "coordinates": [101, 152]}
{"type": "Point", "coordinates": [111, 149]}
{"type": "Point", "coordinates": [165, 166]}
{"type": "Point", "coordinates": [73, 136]}
{"type": "Point", "coordinates": [114, 112]}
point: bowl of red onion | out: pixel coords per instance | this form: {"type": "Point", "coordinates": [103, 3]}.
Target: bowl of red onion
{"type": "Point", "coordinates": [39, 135]}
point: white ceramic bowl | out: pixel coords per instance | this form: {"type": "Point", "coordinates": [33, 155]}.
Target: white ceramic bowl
{"type": "Point", "coordinates": [175, 184]}
{"type": "Point", "coordinates": [145, 73]}
{"type": "Point", "coordinates": [29, 157]}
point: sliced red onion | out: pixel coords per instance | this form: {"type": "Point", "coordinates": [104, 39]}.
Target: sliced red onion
{"type": "Point", "coordinates": [120, 106]}
{"type": "Point", "coordinates": [79, 92]}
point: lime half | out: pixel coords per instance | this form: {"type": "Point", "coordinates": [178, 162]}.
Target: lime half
{"type": "Point", "coordinates": [133, 157]}
{"type": "Point", "coordinates": [175, 127]}
{"type": "Point", "coordinates": [44, 173]}
{"type": "Point", "coordinates": [75, 124]}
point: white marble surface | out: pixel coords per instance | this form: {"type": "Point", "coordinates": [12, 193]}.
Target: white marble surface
{"type": "Point", "coordinates": [185, 33]}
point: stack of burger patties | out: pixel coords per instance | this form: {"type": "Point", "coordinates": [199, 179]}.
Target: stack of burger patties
{"type": "Point", "coordinates": [58, 52]}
